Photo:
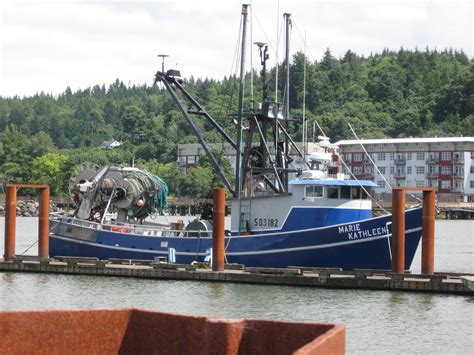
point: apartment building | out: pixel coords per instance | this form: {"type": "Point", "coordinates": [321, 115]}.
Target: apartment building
{"type": "Point", "coordinates": [447, 164]}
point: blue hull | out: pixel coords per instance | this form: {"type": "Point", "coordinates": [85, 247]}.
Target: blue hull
{"type": "Point", "coordinates": [360, 244]}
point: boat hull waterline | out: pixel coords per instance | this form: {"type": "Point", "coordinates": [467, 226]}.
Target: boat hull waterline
{"type": "Point", "coordinates": [358, 244]}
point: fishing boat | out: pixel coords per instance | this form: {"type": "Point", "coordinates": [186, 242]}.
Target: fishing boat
{"type": "Point", "coordinates": [281, 215]}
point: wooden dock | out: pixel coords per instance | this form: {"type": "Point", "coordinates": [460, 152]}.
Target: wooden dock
{"type": "Point", "coordinates": [363, 279]}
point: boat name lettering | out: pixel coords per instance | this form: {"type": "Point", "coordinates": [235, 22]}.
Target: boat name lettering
{"type": "Point", "coordinates": [353, 231]}
{"type": "Point", "coordinates": [265, 222]}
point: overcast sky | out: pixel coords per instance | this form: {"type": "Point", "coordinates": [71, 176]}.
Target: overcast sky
{"type": "Point", "coordinates": [49, 45]}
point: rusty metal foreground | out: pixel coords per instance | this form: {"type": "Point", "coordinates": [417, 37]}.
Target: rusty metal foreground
{"type": "Point", "coordinates": [136, 331]}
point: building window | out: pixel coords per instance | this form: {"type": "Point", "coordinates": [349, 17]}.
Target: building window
{"type": "Point", "coordinates": [420, 156]}
{"type": "Point", "coordinates": [445, 155]}
{"type": "Point", "coordinates": [420, 169]}
{"type": "Point", "coordinates": [313, 191]}
{"type": "Point", "coordinates": [357, 156]}
{"type": "Point", "coordinates": [433, 183]}
{"type": "Point", "coordinates": [392, 170]}
{"type": "Point", "coordinates": [420, 183]}
{"type": "Point", "coordinates": [381, 184]}
{"type": "Point", "coordinates": [381, 156]}
{"type": "Point", "coordinates": [445, 184]}
{"type": "Point", "coordinates": [357, 170]}
{"type": "Point", "coordinates": [392, 156]}
{"type": "Point", "coordinates": [445, 169]}
{"type": "Point", "coordinates": [382, 169]}
{"type": "Point", "coordinates": [408, 169]}
{"type": "Point", "coordinates": [409, 156]}
{"type": "Point", "coordinates": [472, 184]}
{"type": "Point", "coordinates": [472, 169]}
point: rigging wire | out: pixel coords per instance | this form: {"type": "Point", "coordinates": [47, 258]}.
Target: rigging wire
{"type": "Point", "coordinates": [352, 174]}
{"type": "Point", "coordinates": [368, 155]}
{"type": "Point", "coordinates": [373, 163]}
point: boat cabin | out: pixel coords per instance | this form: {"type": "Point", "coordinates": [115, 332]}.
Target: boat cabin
{"type": "Point", "coordinates": [308, 204]}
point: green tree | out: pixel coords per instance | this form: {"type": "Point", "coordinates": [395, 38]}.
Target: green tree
{"type": "Point", "coordinates": [52, 169]}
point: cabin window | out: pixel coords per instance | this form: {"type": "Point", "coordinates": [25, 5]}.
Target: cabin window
{"type": "Point", "coordinates": [333, 192]}
{"type": "Point", "coordinates": [346, 192]}
{"type": "Point", "coordinates": [313, 191]}
{"type": "Point", "coordinates": [365, 196]}
{"type": "Point", "coordinates": [356, 193]}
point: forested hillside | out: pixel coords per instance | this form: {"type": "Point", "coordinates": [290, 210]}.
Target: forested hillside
{"type": "Point", "coordinates": [392, 94]}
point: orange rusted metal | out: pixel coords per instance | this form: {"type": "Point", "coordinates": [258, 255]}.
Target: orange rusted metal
{"type": "Point", "coordinates": [43, 223]}
{"type": "Point", "coordinates": [142, 332]}
{"type": "Point", "coordinates": [398, 230]}
{"type": "Point", "coordinates": [218, 230]}
{"type": "Point", "coordinates": [427, 241]}
{"type": "Point", "coordinates": [10, 219]}
{"type": "Point", "coordinates": [10, 222]}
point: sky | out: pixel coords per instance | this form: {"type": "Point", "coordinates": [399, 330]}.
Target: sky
{"type": "Point", "coordinates": [50, 45]}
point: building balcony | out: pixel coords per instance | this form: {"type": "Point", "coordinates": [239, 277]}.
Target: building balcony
{"type": "Point", "coordinates": [368, 175]}
{"type": "Point", "coordinates": [400, 176]}
{"type": "Point", "coordinates": [458, 160]}
{"type": "Point", "coordinates": [400, 160]}
{"type": "Point", "coordinates": [458, 189]}
{"type": "Point", "coordinates": [432, 160]}
{"type": "Point", "coordinates": [458, 175]}
{"type": "Point", "coordinates": [432, 175]}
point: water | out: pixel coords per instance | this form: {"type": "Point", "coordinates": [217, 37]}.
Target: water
{"type": "Point", "coordinates": [378, 322]}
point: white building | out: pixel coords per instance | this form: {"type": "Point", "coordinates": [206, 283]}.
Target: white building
{"type": "Point", "coordinates": [446, 164]}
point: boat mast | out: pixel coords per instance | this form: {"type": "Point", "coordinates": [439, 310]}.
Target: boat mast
{"type": "Point", "coordinates": [238, 168]}
{"type": "Point", "coordinates": [287, 17]}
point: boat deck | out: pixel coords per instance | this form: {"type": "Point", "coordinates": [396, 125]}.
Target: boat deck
{"type": "Point", "coordinates": [364, 279]}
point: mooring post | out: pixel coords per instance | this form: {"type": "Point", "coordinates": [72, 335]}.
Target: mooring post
{"type": "Point", "coordinates": [218, 230]}
{"type": "Point", "coordinates": [427, 237]}
{"type": "Point", "coordinates": [10, 222]}
{"type": "Point", "coordinates": [43, 223]}
{"type": "Point", "coordinates": [398, 230]}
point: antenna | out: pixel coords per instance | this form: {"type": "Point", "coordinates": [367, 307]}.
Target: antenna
{"type": "Point", "coordinates": [263, 49]}
{"type": "Point", "coordinates": [163, 56]}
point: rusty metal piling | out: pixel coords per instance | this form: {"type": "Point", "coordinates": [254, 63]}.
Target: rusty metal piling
{"type": "Point", "coordinates": [427, 238]}
{"type": "Point", "coordinates": [10, 220]}
{"type": "Point", "coordinates": [218, 230]}
{"type": "Point", "coordinates": [398, 229]}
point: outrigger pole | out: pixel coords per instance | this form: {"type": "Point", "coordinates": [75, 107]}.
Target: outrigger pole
{"type": "Point", "coordinates": [172, 82]}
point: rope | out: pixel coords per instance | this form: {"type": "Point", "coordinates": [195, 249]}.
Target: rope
{"type": "Point", "coordinates": [28, 248]}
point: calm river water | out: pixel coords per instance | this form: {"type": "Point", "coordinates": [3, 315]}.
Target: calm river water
{"type": "Point", "coordinates": [378, 322]}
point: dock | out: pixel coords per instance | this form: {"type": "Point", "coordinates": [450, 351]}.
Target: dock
{"type": "Point", "coordinates": [362, 279]}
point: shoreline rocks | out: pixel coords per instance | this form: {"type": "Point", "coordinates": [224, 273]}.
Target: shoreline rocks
{"type": "Point", "coordinates": [29, 208]}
